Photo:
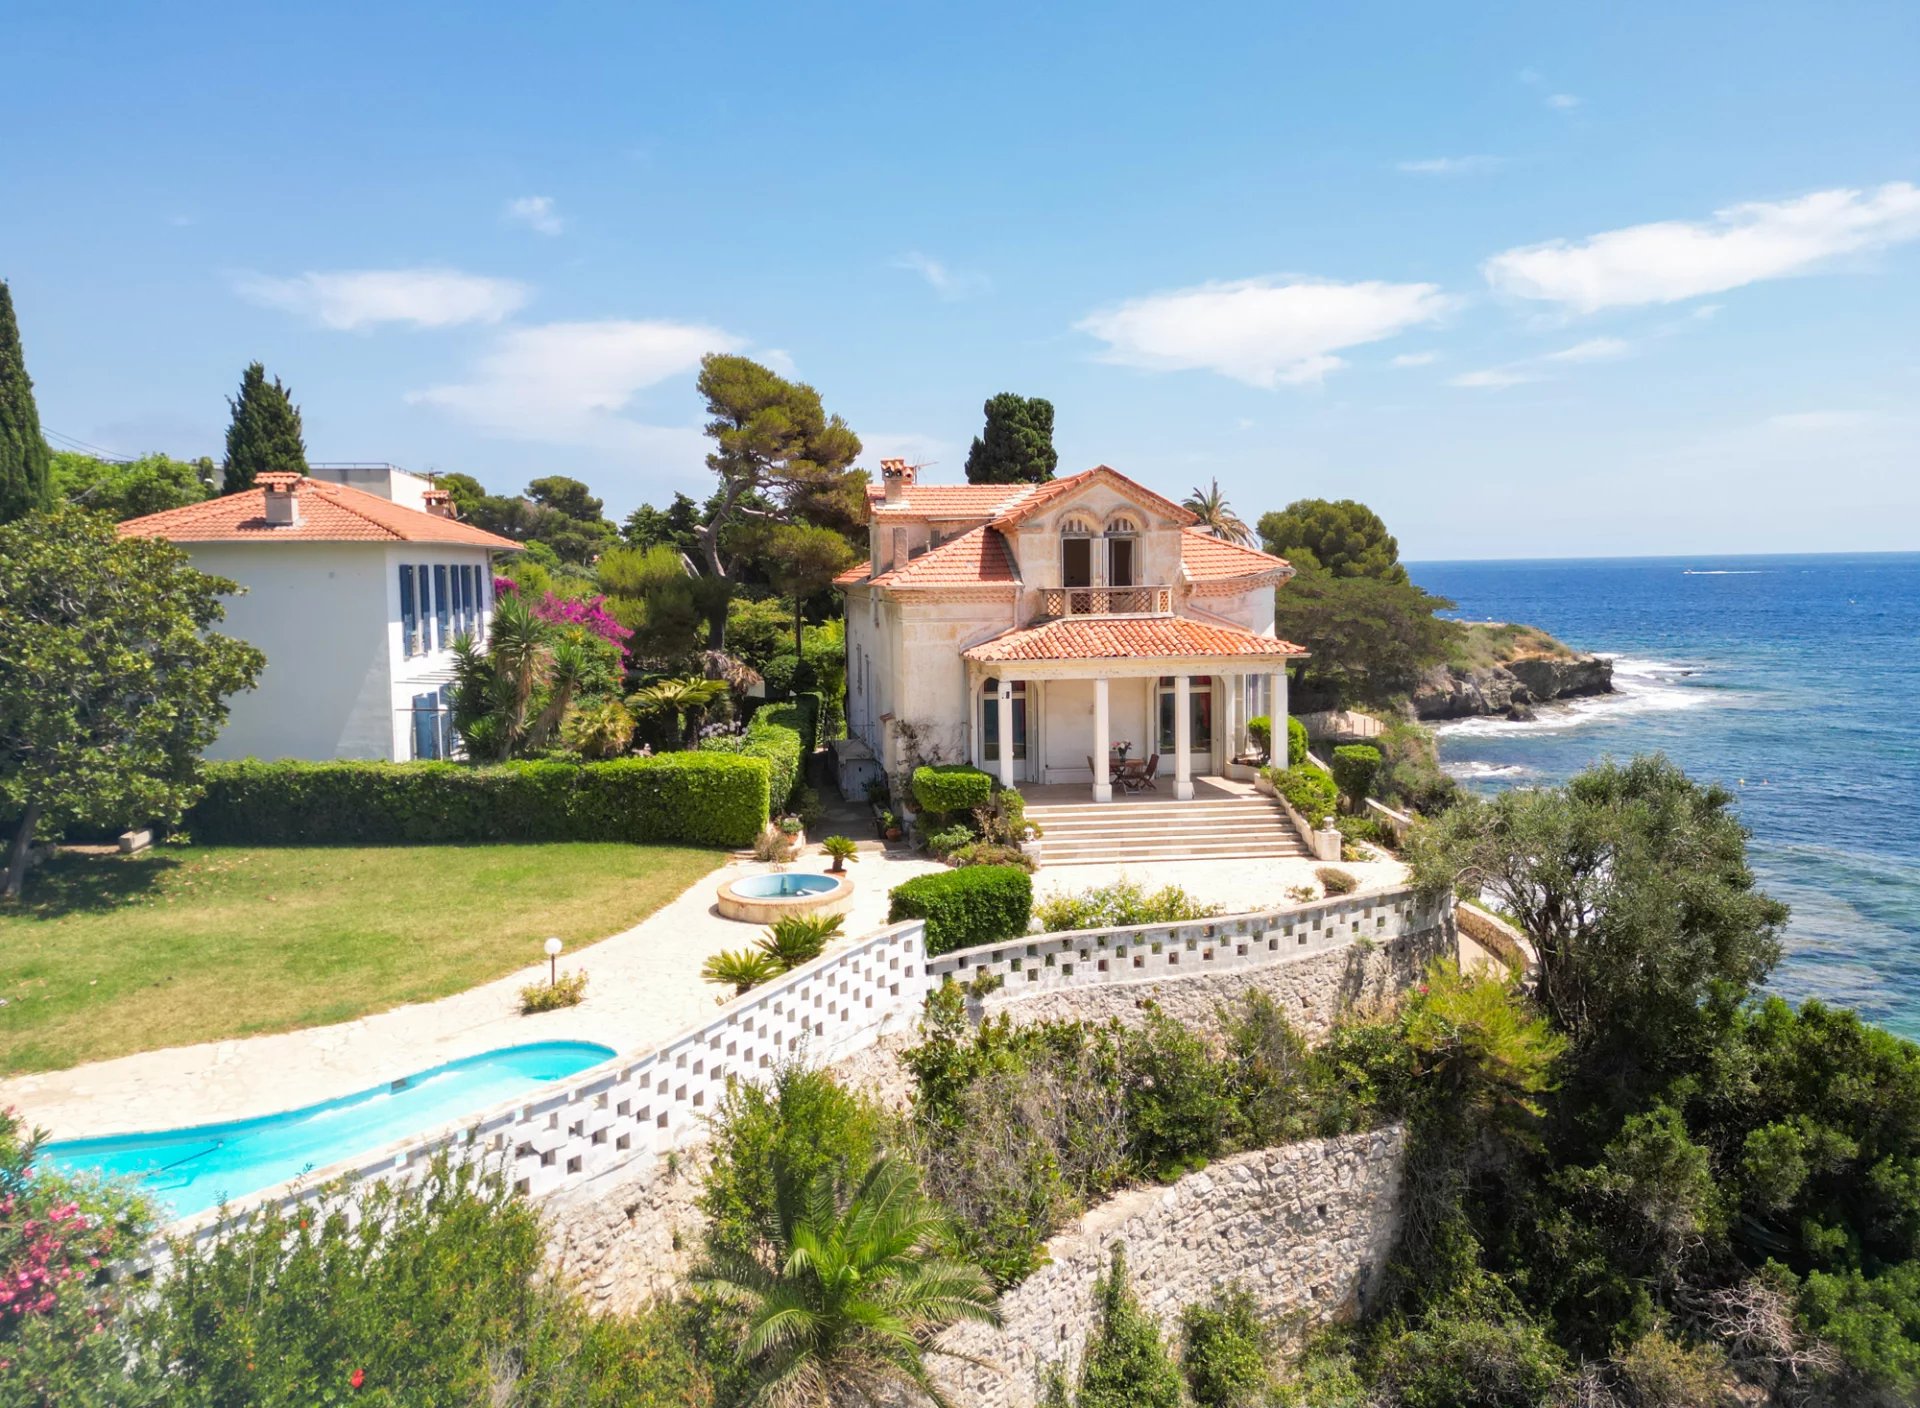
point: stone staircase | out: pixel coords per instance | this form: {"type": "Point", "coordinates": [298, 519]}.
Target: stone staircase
{"type": "Point", "coordinates": [1207, 828]}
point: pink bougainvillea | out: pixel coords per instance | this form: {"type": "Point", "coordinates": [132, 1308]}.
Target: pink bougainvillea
{"type": "Point", "coordinates": [589, 613]}
{"type": "Point", "coordinates": [504, 586]}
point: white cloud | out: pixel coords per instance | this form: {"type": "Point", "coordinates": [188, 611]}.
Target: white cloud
{"type": "Point", "coordinates": [1562, 101]}
{"type": "Point", "coordinates": [779, 359]}
{"type": "Point", "coordinates": [426, 298]}
{"type": "Point", "coordinates": [948, 282]}
{"type": "Point", "coordinates": [1452, 165]}
{"type": "Point", "coordinates": [1260, 331]}
{"type": "Point", "coordinates": [1493, 379]}
{"type": "Point", "coordinates": [1675, 259]}
{"type": "Point", "coordinates": [1416, 359]}
{"type": "Point", "coordinates": [536, 213]}
{"type": "Point", "coordinates": [1594, 349]}
{"type": "Point", "coordinates": [571, 383]}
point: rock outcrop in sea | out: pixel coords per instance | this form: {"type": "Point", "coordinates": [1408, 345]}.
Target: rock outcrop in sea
{"type": "Point", "coordinates": [1511, 689]}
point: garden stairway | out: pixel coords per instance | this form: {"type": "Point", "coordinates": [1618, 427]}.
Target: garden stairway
{"type": "Point", "coordinates": [1143, 829]}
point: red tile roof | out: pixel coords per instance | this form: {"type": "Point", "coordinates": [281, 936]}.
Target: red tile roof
{"type": "Point", "coordinates": [329, 513]}
{"type": "Point", "coordinates": [976, 558]}
{"type": "Point", "coordinates": [1211, 559]}
{"type": "Point", "coordinates": [1129, 638]}
{"type": "Point", "coordinates": [950, 500]}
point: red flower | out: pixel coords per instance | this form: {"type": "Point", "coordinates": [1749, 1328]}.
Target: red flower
{"type": "Point", "coordinates": [358, 1377]}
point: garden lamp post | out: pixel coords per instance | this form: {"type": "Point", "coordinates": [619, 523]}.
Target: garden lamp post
{"type": "Point", "coordinates": [553, 960]}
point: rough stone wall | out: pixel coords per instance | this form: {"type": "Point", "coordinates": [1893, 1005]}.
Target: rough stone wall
{"type": "Point", "coordinates": [1305, 1229]}
{"type": "Point", "coordinates": [631, 1235]}
{"type": "Point", "coordinates": [1314, 990]}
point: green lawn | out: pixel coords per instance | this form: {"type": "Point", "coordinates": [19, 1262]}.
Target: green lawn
{"type": "Point", "coordinates": [106, 955]}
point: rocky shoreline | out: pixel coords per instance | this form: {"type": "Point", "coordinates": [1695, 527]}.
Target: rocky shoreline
{"type": "Point", "coordinates": [1511, 689]}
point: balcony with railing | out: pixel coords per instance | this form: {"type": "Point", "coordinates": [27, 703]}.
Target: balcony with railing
{"type": "Point", "coordinates": [1056, 602]}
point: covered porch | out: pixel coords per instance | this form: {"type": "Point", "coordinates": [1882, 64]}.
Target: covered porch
{"type": "Point", "coordinates": [1123, 709]}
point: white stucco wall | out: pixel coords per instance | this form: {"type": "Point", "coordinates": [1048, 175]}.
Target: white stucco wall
{"type": "Point", "coordinates": [327, 617]}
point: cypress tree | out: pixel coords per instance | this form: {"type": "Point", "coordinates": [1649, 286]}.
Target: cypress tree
{"type": "Point", "coordinates": [1016, 446]}
{"type": "Point", "coordinates": [26, 484]}
{"type": "Point", "coordinates": [265, 432]}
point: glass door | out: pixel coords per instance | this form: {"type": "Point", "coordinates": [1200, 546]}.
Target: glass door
{"type": "Point", "coordinates": [1200, 724]}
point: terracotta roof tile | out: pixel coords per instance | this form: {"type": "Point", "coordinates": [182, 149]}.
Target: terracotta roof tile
{"type": "Point", "coordinates": [329, 513]}
{"type": "Point", "coordinates": [1130, 638]}
{"type": "Point", "coordinates": [976, 558]}
{"type": "Point", "coordinates": [950, 500]}
{"type": "Point", "coordinates": [854, 575]}
{"type": "Point", "coordinates": [1211, 559]}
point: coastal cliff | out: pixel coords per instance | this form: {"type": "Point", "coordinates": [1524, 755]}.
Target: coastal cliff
{"type": "Point", "coordinates": [1501, 670]}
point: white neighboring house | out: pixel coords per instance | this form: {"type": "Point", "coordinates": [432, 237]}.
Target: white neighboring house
{"type": "Point", "coordinates": [1073, 617]}
{"type": "Point", "coordinates": [355, 599]}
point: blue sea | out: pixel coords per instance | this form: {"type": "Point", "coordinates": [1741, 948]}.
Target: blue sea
{"type": "Point", "coordinates": [1792, 681]}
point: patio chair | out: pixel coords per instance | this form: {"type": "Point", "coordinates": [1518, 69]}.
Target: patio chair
{"type": "Point", "coordinates": [1144, 782]}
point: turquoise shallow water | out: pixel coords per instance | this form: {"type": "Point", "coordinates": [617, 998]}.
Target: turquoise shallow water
{"type": "Point", "coordinates": [192, 1169]}
{"type": "Point", "coordinates": [1791, 680]}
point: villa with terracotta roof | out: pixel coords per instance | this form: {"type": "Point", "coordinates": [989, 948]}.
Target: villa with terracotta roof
{"type": "Point", "coordinates": [354, 595]}
{"type": "Point", "coordinates": [1078, 631]}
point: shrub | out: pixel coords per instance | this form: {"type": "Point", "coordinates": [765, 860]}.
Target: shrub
{"type": "Point", "coordinates": [774, 846]}
{"type": "Point", "coordinates": [783, 735]}
{"type": "Point", "coordinates": [980, 904]}
{"type": "Point", "coordinates": [951, 787]}
{"type": "Point", "coordinates": [1364, 828]}
{"type": "Point", "coordinates": [990, 853]}
{"type": "Point", "coordinates": [799, 938]}
{"type": "Point", "coordinates": [841, 849]}
{"type": "Point", "coordinates": [550, 997]}
{"type": "Point", "coordinates": [1260, 731]}
{"type": "Point", "coordinates": [1126, 1365]}
{"type": "Point", "coordinates": [1463, 1356]}
{"type": "Point", "coordinates": [1118, 905]}
{"type": "Point", "coordinates": [705, 799]}
{"type": "Point", "coordinates": [778, 673]}
{"type": "Point", "coordinates": [742, 969]}
{"type": "Point", "coordinates": [1296, 742]}
{"type": "Point", "coordinates": [1177, 1106]}
{"type": "Point", "coordinates": [1354, 767]}
{"type": "Point", "coordinates": [1410, 775]}
{"type": "Point", "coordinates": [1004, 819]}
{"type": "Point", "coordinates": [766, 1138]}
{"type": "Point", "coordinates": [1335, 882]}
{"type": "Point", "coordinates": [949, 838]}
{"type": "Point", "coordinates": [1309, 790]}
{"type": "Point", "coordinates": [1224, 1352]}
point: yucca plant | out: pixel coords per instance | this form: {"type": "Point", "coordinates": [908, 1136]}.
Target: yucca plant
{"type": "Point", "coordinates": [842, 849]}
{"type": "Point", "coordinates": [848, 1293]}
{"type": "Point", "coordinates": [799, 938]}
{"type": "Point", "coordinates": [742, 969]}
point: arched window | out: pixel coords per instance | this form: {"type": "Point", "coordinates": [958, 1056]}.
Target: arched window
{"type": "Point", "coordinates": [1076, 552]}
{"type": "Point", "coordinates": [1123, 551]}
{"type": "Point", "coordinates": [990, 721]}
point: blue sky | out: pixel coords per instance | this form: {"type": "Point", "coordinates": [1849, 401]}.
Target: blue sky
{"type": "Point", "coordinates": [1532, 280]}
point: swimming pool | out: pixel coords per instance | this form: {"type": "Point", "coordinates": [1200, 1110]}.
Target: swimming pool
{"type": "Point", "coordinates": [190, 1170]}
{"type": "Point", "coordinates": [767, 887]}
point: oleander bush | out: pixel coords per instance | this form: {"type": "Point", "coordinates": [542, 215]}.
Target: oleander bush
{"type": "Point", "coordinates": [944, 788]}
{"type": "Point", "coordinates": [978, 904]}
{"type": "Point", "coordinates": [1354, 767]}
{"type": "Point", "coordinates": [1123, 903]}
{"type": "Point", "coordinates": [700, 798]}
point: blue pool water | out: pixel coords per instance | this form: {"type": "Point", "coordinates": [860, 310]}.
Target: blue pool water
{"type": "Point", "coordinates": [1789, 680]}
{"type": "Point", "coordinates": [190, 1170]}
{"type": "Point", "coordinates": [767, 887]}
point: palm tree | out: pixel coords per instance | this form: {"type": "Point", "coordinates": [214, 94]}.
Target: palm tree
{"type": "Point", "coordinates": [842, 849]}
{"type": "Point", "coordinates": [1216, 515]}
{"type": "Point", "coordinates": [845, 1298]}
{"type": "Point", "coordinates": [742, 969]}
{"type": "Point", "coordinates": [680, 698]}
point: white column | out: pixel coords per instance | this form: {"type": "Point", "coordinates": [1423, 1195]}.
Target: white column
{"type": "Point", "coordinates": [1277, 714]}
{"type": "Point", "coordinates": [1102, 727]}
{"type": "Point", "coordinates": [1233, 706]}
{"type": "Point", "coordinates": [1005, 705]}
{"type": "Point", "coordinates": [1182, 738]}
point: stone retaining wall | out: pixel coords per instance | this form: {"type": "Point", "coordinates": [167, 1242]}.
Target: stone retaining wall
{"type": "Point", "coordinates": [1305, 1229]}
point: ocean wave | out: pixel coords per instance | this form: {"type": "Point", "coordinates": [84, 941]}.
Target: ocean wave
{"type": "Point", "coordinates": [1639, 687]}
{"type": "Point", "coordinates": [1473, 770]}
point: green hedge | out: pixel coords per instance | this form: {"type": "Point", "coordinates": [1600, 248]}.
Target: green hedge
{"type": "Point", "coordinates": [1354, 767]}
{"type": "Point", "coordinates": [783, 735]}
{"type": "Point", "coordinates": [980, 904]}
{"type": "Point", "coordinates": [951, 787]}
{"type": "Point", "coordinates": [703, 798]}
{"type": "Point", "coordinates": [1311, 790]}
{"type": "Point", "coordinates": [1260, 729]}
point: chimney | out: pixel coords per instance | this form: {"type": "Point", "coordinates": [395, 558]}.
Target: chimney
{"type": "Point", "coordinates": [439, 503]}
{"type": "Point", "coordinates": [895, 476]}
{"type": "Point", "coordinates": [282, 493]}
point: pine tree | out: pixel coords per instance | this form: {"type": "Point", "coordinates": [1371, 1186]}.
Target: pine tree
{"type": "Point", "coordinates": [265, 432]}
{"type": "Point", "coordinates": [1016, 447]}
{"type": "Point", "coordinates": [26, 484]}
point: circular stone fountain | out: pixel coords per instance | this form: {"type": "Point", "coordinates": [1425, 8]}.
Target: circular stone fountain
{"type": "Point", "coordinates": [761, 899]}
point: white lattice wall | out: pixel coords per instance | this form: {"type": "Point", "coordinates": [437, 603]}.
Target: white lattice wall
{"type": "Point", "coordinates": [1098, 957]}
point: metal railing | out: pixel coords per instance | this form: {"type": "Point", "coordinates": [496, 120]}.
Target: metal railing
{"type": "Point", "coordinates": [1107, 601]}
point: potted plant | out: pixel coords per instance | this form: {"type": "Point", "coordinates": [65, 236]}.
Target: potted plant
{"type": "Point", "coordinates": [842, 849]}
{"type": "Point", "coordinates": [889, 826]}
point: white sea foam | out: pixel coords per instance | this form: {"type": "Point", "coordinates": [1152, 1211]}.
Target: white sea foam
{"type": "Point", "coordinates": [1640, 687]}
{"type": "Point", "coordinates": [1474, 770]}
